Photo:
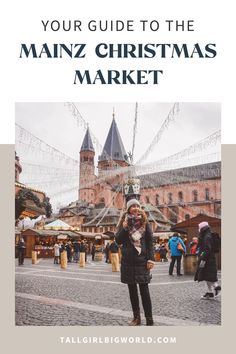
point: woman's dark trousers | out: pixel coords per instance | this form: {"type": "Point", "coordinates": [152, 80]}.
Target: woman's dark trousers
{"type": "Point", "coordinates": [145, 296]}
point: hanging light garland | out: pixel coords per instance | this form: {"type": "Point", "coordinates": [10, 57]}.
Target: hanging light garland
{"type": "Point", "coordinates": [64, 176]}
{"type": "Point", "coordinates": [171, 117]}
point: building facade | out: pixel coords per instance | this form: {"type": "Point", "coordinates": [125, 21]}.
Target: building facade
{"type": "Point", "coordinates": [168, 197]}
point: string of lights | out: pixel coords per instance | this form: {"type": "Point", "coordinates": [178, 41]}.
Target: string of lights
{"type": "Point", "coordinates": [171, 117]}
{"type": "Point", "coordinates": [60, 174]}
{"type": "Point", "coordinates": [104, 210]}
{"type": "Point", "coordinates": [32, 144]}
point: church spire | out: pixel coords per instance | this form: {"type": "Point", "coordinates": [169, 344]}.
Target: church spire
{"type": "Point", "coordinates": [87, 144]}
{"type": "Point", "coordinates": [113, 148]}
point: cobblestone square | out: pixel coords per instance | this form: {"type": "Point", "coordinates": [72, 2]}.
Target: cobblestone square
{"type": "Point", "coordinates": [47, 295]}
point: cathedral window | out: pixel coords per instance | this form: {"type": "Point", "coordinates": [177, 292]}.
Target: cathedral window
{"type": "Point", "coordinates": [157, 199]}
{"type": "Point", "coordinates": [207, 194]}
{"type": "Point", "coordinates": [170, 198]}
{"type": "Point", "coordinates": [195, 195]}
{"type": "Point", "coordinates": [147, 199]}
{"type": "Point", "coordinates": [180, 197]}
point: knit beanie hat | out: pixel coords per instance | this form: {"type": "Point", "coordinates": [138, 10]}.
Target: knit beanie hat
{"type": "Point", "coordinates": [202, 224]}
{"type": "Point", "coordinates": [132, 202]}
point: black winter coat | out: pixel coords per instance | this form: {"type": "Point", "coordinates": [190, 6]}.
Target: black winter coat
{"type": "Point", "coordinates": [83, 248]}
{"type": "Point", "coordinates": [206, 253]}
{"type": "Point", "coordinates": [114, 248]}
{"type": "Point", "coordinates": [133, 266]}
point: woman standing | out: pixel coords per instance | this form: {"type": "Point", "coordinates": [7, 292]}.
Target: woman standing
{"type": "Point", "coordinates": [176, 254]}
{"type": "Point", "coordinates": [207, 268]}
{"type": "Point", "coordinates": [135, 235]}
{"type": "Point", "coordinates": [56, 253]}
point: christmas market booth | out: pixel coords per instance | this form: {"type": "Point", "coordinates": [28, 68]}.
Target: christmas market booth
{"type": "Point", "coordinates": [42, 241]}
{"type": "Point", "coordinates": [190, 226]}
{"type": "Point", "coordinates": [98, 239]}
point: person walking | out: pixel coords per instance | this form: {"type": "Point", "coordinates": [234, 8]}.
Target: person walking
{"type": "Point", "coordinates": [21, 249]}
{"type": "Point", "coordinates": [93, 250]}
{"type": "Point", "coordinates": [207, 268]}
{"type": "Point", "coordinates": [69, 251]}
{"type": "Point", "coordinates": [193, 245]}
{"type": "Point", "coordinates": [114, 249]}
{"type": "Point", "coordinates": [56, 253]}
{"type": "Point", "coordinates": [176, 254]}
{"type": "Point", "coordinates": [135, 236]}
{"type": "Point", "coordinates": [106, 251]}
{"type": "Point", "coordinates": [82, 257]}
{"type": "Point", "coordinates": [76, 251]}
{"type": "Point", "coordinates": [86, 250]}
{"type": "Point", "coordinates": [163, 253]}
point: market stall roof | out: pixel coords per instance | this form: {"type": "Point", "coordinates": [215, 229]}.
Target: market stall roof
{"type": "Point", "coordinates": [93, 235]}
{"type": "Point", "coordinates": [69, 233]}
{"type": "Point", "coordinates": [41, 232]}
{"type": "Point", "coordinates": [162, 235]}
{"type": "Point", "coordinates": [193, 222]}
{"type": "Point", "coordinates": [58, 225]}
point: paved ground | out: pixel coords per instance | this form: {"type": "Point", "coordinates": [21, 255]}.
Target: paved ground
{"type": "Point", "coordinates": [47, 295]}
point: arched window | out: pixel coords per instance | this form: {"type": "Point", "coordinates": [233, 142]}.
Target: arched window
{"type": "Point", "coordinates": [170, 198]}
{"type": "Point", "coordinates": [157, 199]}
{"type": "Point", "coordinates": [180, 197]}
{"type": "Point", "coordinates": [187, 216]}
{"type": "Point", "coordinates": [195, 195]}
{"type": "Point", "coordinates": [147, 199]}
{"type": "Point", "coordinates": [207, 194]}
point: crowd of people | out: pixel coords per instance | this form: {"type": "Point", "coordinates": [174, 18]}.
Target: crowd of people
{"type": "Point", "coordinates": [73, 250]}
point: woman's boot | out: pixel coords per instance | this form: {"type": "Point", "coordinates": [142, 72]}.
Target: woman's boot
{"type": "Point", "coordinates": [136, 320]}
{"type": "Point", "coordinates": [149, 321]}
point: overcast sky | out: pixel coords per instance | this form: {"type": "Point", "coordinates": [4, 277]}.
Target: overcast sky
{"type": "Point", "coordinates": [55, 124]}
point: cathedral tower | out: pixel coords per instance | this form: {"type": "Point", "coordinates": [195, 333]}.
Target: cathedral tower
{"type": "Point", "coordinates": [113, 154]}
{"type": "Point", "coordinates": [86, 175]}
{"type": "Point", "coordinates": [113, 157]}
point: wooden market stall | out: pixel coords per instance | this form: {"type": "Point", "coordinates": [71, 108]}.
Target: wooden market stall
{"type": "Point", "coordinates": [190, 226]}
{"type": "Point", "coordinates": [43, 241]}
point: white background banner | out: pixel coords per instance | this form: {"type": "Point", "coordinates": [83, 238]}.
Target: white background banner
{"type": "Point", "coordinates": [52, 79]}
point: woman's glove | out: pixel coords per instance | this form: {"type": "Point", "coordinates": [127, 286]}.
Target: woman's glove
{"type": "Point", "coordinates": [202, 264]}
